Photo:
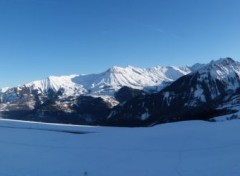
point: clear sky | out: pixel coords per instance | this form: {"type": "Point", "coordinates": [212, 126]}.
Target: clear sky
{"type": "Point", "coordinates": [39, 38]}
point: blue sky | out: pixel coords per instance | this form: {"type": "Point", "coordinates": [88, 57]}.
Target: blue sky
{"type": "Point", "coordinates": [39, 38]}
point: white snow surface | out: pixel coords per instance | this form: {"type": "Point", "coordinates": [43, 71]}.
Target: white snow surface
{"type": "Point", "coordinates": [56, 83]}
{"type": "Point", "coordinates": [108, 82]}
{"type": "Point", "coordinates": [4, 89]}
{"type": "Point", "coordinates": [193, 148]}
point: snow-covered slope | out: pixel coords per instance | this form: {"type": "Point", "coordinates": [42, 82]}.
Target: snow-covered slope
{"type": "Point", "coordinates": [211, 80]}
{"type": "Point", "coordinates": [202, 93]}
{"type": "Point", "coordinates": [102, 84]}
{"type": "Point", "coordinates": [83, 98]}
{"type": "Point", "coordinates": [193, 148]}
{"type": "Point", "coordinates": [4, 89]}
{"type": "Point", "coordinates": [226, 71]}
{"type": "Point", "coordinates": [124, 96]}
{"type": "Point", "coordinates": [56, 83]}
{"type": "Point", "coordinates": [138, 78]}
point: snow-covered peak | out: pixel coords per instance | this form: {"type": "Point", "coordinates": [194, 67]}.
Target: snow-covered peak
{"type": "Point", "coordinates": [150, 79]}
{"type": "Point", "coordinates": [219, 76]}
{"type": "Point", "coordinates": [108, 82]}
{"type": "Point", "coordinates": [222, 68]}
{"type": "Point", "coordinates": [4, 89]}
{"type": "Point", "coordinates": [115, 69]}
{"type": "Point", "coordinates": [169, 73]}
{"type": "Point", "coordinates": [138, 78]}
{"type": "Point", "coordinates": [224, 62]}
{"type": "Point", "coordinates": [56, 83]}
{"type": "Point", "coordinates": [215, 64]}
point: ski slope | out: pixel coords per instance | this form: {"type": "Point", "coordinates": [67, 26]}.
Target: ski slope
{"type": "Point", "coordinates": [193, 148]}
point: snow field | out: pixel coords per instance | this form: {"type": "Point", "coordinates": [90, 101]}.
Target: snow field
{"type": "Point", "coordinates": [177, 149]}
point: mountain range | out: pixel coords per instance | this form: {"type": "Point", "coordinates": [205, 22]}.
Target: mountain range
{"type": "Point", "coordinates": [129, 96]}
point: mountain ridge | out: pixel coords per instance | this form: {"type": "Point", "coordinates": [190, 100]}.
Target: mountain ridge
{"type": "Point", "coordinates": [129, 96]}
{"type": "Point", "coordinates": [113, 78]}
{"type": "Point", "coordinates": [193, 96]}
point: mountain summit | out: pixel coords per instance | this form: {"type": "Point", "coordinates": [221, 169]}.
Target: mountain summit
{"type": "Point", "coordinates": [193, 96]}
{"type": "Point", "coordinates": [106, 83]}
{"type": "Point", "coordinates": [129, 96]}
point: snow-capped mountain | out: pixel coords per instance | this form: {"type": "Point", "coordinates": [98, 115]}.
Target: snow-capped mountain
{"type": "Point", "coordinates": [64, 94]}
{"type": "Point", "coordinates": [129, 96]}
{"type": "Point", "coordinates": [106, 83]}
{"type": "Point", "coordinates": [193, 96]}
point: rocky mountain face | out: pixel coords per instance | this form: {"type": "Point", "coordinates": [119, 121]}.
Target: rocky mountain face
{"type": "Point", "coordinates": [83, 99]}
{"type": "Point", "coordinates": [129, 96]}
{"type": "Point", "coordinates": [198, 95]}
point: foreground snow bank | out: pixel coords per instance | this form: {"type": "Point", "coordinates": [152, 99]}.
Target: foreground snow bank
{"type": "Point", "coordinates": [177, 149]}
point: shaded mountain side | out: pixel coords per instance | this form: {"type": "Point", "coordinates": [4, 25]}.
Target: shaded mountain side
{"type": "Point", "coordinates": [210, 90]}
{"type": "Point", "coordinates": [80, 110]}
{"type": "Point", "coordinates": [194, 96]}
{"type": "Point", "coordinates": [126, 93]}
